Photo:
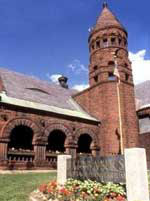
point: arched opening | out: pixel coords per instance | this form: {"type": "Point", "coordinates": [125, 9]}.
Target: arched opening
{"type": "Point", "coordinates": [56, 141]}
{"type": "Point", "coordinates": [21, 138]}
{"type": "Point", "coordinates": [84, 143]}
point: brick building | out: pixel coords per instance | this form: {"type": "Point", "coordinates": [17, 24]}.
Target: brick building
{"type": "Point", "coordinates": [39, 120]}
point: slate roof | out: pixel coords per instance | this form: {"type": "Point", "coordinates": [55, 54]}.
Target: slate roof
{"type": "Point", "coordinates": [23, 87]}
{"type": "Point", "coordinates": [142, 94]}
{"type": "Point", "coordinates": [107, 19]}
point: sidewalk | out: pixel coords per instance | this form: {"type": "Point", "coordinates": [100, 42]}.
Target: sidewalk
{"type": "Point", "coordinates": [25, 171]}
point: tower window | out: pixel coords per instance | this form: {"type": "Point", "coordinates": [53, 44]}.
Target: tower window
{"type": "Point", "coordinates": [95, 67]}
{"type": "Point", "coordinates": [96, 78]}
{"type": "Point", "coordinates": [113, 41]}
{"type": "Point", "coordinates": [125, 42]}
{"type": "Point", "coordinates": [111, 63]}
{"type": "Point", "coordinates": [105, 42]}
{"type": "Point", "coordinates": [120, 41]}
{"type": "Point", "coordinates": [97, 44]}
{"type": "Point", "coordinates": [126, 77]}
{"type": "Point", "coordinates": [111, 76]}
{"type": "Point", "coordinates": [126, 65]}
{"type": "Point", "coordinates": [93, 47]}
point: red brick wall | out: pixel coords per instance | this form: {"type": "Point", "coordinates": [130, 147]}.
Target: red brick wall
{"type": "Point", "coordinates": [38, 117]}
{"type": "Point", "coordinates": [101, 99]}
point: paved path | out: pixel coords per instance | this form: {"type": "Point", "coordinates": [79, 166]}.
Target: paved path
{"type": "Point", "coordinates": [25, 171]}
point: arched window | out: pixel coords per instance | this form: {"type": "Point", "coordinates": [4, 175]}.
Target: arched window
{"type": "Point", "coordinates": [21, 138]}
{"type": "Point", "coordinates": [105, 42]}
{"type": "Point", "coordinates": [84, 143]}
{"type": "Point", "coordinates": [125, 42]}
{"type": "Point", "coordinates": [98, 44]}
{"type": "Point", "coordinates": [56, 141]}
{"type": "Point", "coordinates": [119, 41]}
{"type": "Point", "coordinates": [113, 40]}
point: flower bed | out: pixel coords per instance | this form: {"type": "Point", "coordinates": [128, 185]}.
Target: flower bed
{"type": "Point", "coordinates": [75, 190]}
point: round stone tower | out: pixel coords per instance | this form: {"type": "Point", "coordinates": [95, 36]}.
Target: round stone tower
{"type": "Point", "coordinates": [108, 48]}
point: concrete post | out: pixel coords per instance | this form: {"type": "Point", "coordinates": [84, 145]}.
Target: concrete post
{"type": "Point", "coordinates": [136, 174]}
{"type": "Point", "coordinates": [63, 166]}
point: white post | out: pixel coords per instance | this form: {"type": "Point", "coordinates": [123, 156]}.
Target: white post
{"type": "Point", "coordinates": [136, 174]}
{"type": "Point", "coordinates": [63, 165]}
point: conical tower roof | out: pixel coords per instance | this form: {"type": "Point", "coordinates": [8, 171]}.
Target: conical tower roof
{"type": "Point", "coordinates": [107, 19]}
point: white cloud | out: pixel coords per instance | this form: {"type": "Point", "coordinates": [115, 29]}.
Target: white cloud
{"type": "Point", "coordinates": [140, 66]}
{"type": "Point", "coordinates": [54, 77]}
{"type": "Point", "coordinates": [80, 87]}
{"type": "Point", "coordinates": [77, 67]}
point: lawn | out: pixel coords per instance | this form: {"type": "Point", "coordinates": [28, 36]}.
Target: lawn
{"type": "Point", "coordinates": [17, 187]}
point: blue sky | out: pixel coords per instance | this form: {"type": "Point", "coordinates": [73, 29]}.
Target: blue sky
{"type": "Point", "coordinates": [47, 37]}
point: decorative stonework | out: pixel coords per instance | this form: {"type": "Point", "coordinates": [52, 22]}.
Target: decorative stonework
{"type": "Point", "coordinates": [6, 131]}
{"type": "Point", "coordinates": [56, 126]}
{"type": "Point", "coordinates": [88, 131]}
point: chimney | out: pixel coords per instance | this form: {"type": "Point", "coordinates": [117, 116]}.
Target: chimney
{"type": "Point", "coordinates": [63, 81]}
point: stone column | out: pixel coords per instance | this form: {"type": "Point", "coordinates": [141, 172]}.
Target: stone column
{"type": "Point", "coordinates": [71, 150]}
{"type": "Point", "coordinates": [95, 149]}
{"type": "Point", "coordinates": [40, 152]}
{"type": "Point", "coordinates": [136, 174]}
{"type": "Point", "coordinates": [3, 150]}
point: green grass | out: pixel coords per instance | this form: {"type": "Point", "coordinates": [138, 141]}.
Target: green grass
{"type": "Point", "coordinates": [17, 187]}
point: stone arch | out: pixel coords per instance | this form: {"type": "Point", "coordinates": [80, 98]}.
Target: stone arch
{"type": "Point", "coordinates": [57, 126]}
{"type": "Point", "coordinates": [88, 131]}
{"type": "Point", "coordinates": [6, 131]}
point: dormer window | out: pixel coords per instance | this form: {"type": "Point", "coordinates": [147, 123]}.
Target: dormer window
{"type": "Point", "coordinates": [38, 90]}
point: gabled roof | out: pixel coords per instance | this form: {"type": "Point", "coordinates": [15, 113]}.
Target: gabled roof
{"type": "Point", "coordinates": [142, 94]}
{"type": "Point", "coordinates": [26, 91]}
{"type": "Point", "coordinates": [107, 19]}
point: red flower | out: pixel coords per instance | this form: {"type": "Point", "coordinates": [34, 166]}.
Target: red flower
{"type": "Point", "coordinates": [65, 192]}
{"type": "Point", "coordinates": [120, 198]}
{"type": "Point", "coordinates": [43, 188]}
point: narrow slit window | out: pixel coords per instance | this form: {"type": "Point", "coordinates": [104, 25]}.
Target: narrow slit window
{"type": "Point", "coordinates": [97, 44]}
{"type": "Point", "coordinates": [113, 41]}
{"type": "Point", "coordinates": [96, 78]}
{"type": "Point", "coordinates": [105, 42]}
{"type": "Point", "coordinates": [126, 77]}
{"type": "Point", "coordinates": [120, 41]}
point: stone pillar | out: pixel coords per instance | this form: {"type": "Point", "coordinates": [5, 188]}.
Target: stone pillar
{"type": "Point", "coordinates": [63, 167]}
{"type": "Point", "coordinates": [136, 174]}
{"type": "Point", "coordinates": [95, 149]}
{"type": "Point", "coordinates": [71, 150]}
{"type": "Point", "coordinates": [3, 150]}
{"type": "Point", "coordinates": [40, 152]}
